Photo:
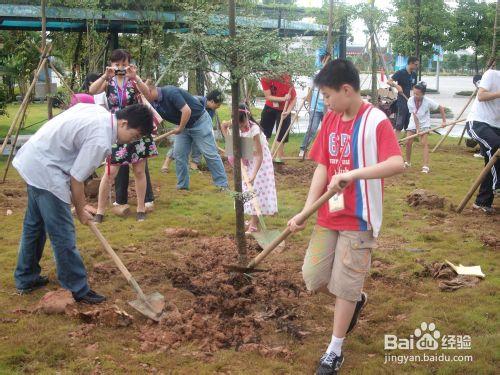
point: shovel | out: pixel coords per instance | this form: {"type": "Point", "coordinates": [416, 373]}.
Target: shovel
{"type": "Point", "coordinates": [275, 243]}
{"type": "Point", "coordinates": [264, 237]}
{"type": "Point", "coordinates": [149, 305]}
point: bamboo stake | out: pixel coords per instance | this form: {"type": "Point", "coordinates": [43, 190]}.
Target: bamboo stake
{"type": "Point", "coordinates": [460, 115]}
{"type": "Point", "coordinates": [282, 118]}
{"type": "Point", "coordinates": [11, 153]}
{"type": "Point", "coordinates": [289, 128]}
{"type": "Point", "coordinates": [61, 77]}
{"type": "Point", "coordinates": [462, 135]}
{"type": "Point", "coordinates": [430, 130]}
{"type": "Point", "coordinates": [27, 97]}
{"type": "Point", "coordinates": [479, 180]}
{"type": "Point", "coordinates": [179, 50]}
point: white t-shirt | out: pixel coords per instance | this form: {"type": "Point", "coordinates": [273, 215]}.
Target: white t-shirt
{"type": "Point", "coordinates": [423, 112]}
{"type": "Point", "coordinates": [488, 112]}
{"type": "Point", "coordinates": [74, 143]}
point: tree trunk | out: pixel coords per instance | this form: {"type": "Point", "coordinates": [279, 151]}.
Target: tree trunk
{"type": "Point", "coordinates": [476, 65]}
{"type": "Point", "coordinates": [48, 80]}
{"type": "Point", "coordinates": [494, 42]}
{"type": "Point", "coordinates": [374, 58]}
{"type": "Point", "coordinates": [75, 59]}
{"type": "Point", "coordinates": [192, 82]}
{"type": "Point", "coordinates": [374, 92]}
{"type": "Point", "coordinates": [329, 42]}
{"type": "Point", "coordinates": [235, 91]}
{"type": "Point", "coordinates": [417, 38]}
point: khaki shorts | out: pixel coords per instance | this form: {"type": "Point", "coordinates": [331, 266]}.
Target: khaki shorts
{"type": "Point", "coordinates": [339, 260]}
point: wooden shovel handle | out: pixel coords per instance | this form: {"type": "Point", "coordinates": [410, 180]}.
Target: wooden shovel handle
{"type": "Point", "coordinates": [303, 217]}
{"type": "Point", "coordinates": [117, 260]}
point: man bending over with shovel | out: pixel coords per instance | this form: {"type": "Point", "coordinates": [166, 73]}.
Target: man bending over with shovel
{"type": "Point", "coordinates": [54, 163]}
{"type": "Point", "coordinates": [355, 149]}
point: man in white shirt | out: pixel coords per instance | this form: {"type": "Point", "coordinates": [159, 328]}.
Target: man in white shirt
{"type": "Point", "coordinates": [483, 125]}
{"type": "Point", "coordinates": [55, 162]}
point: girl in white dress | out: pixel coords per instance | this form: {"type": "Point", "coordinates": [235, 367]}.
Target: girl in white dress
{"type": "Point", "coordinates": [259, 169]}
{"type": "Point", "coordinates": [420, 108]}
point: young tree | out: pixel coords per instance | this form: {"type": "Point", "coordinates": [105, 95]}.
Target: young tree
{"type": "Point", "coordinates": [419, 25]}
{"type": "Point", "coordinates": [472, 27]}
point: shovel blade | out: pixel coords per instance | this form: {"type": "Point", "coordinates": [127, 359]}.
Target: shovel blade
{"type": "Point", "coordinates": [265, 237]}
{"type": "Point", "coordinates": [152, 307]}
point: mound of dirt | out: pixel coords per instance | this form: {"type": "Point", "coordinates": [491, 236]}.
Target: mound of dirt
{"type": "Point", "coordinates": [109, 316]}
{"type": "Point", "coordinates": [181, 232]}
{"type": "Point", "coordinates": [56, 302]}
{"type": "Point", "coordinates": [424, 198]}
{"type": "Point", "coordinates": [458, 282]}
{"type": "Point", "coordinates": [491, 240]}
{"type": "Point", "coordinates": [219, 309]}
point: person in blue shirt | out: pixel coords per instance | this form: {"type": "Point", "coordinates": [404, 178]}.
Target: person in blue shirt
{"type": "Point", "coordinates": [211, 102]}
{"type": "Point", "coordinates": [316, 109]}
{"type": "Point", "coordinates": [194, 126]}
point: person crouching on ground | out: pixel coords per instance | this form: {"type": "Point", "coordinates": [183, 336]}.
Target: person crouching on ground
{"type": "Point", "coordinates": [355, 149]}
{"type": "Point", "coordinates": [420, 108]}
{"type": "Point", "coordinates": [259, 169]}
{"type": "Point", "coordinates": [55, 162]}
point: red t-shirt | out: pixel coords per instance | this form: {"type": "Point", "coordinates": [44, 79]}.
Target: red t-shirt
{"type": "Point", "coordinates": [326, 150]}
{"type": "Point", "coordinates": [278, 88]}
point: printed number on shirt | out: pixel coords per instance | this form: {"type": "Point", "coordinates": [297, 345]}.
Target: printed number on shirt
{"type": "Point", "coordinates": [334, 150]}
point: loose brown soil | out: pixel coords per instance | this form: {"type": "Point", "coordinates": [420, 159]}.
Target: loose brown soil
{"type": "Point", "coordinates": [224, 309]}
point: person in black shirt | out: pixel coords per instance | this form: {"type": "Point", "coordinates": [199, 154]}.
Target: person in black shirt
{"type": "Point", "coordinates": [404, 80]}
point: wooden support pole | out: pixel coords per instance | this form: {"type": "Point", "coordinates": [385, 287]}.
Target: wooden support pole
{"type": "Point", "coordinates": [289, 128]}
{"type": "Point", "coordinates": [430, 130]}
{"type": "Point", "coordinates": [460, 115]}
{"type": "Point", "coordinates": [13, 148]}
{"type": "Point", "coordinates": [282, 118]}
{"type": "Point", "coordinates": [479, 180]}
{"type": "Point", "coordinates": [27, 97]}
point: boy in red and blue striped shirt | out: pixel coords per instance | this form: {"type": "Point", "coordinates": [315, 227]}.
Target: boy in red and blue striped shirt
{"type": "Point", "coordinates": [356, 148]}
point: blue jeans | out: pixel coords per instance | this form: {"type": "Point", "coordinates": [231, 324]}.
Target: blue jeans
{"type": "Point", "coordinates": [314, 122]}
{"type": "Point", "coordinates": [48, 214]}
{"type": "Point", "coordinates": [201, 135]}
{"type": "Point", "coordinates": [195, 153]}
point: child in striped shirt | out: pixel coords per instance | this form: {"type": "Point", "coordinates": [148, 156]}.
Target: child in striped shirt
{"type": "Point", "coordinates": [355, 149]}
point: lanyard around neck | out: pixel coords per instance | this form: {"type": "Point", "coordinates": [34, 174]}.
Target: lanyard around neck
{"type": "Point", "coordinates": [122, 92]}
{"type": "Point", "coordinates": [343, 147]}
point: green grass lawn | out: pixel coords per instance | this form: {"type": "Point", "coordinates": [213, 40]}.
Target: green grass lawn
{"type": "Point", "coordinates": [400, 297]}
{"type": "Point", "coordinates": [35, 118]}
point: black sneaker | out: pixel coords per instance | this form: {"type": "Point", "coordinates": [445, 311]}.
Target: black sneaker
{"type": "Point", "coordinates": [329, 364]}
{"type": "Point", "coordinates": [37, 284]}
{"type": "Point", "coordinates": [359, 306]}
{"type": "Point", "coordinates": [91, 298]}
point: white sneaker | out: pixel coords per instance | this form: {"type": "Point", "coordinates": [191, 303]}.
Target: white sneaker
{"type": "Point", "coordinates": [301, 153]}
{"type": "Point", "coordinates": [150, 206]}
{"type": "Point", "coordinates": [115, 204]}
{"type": "Point", "coordinates": [425, 169]}
{"type": "Point", "coordinates": [407, 165]}
{"type": "Point", "coordinates": [478, 155]}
